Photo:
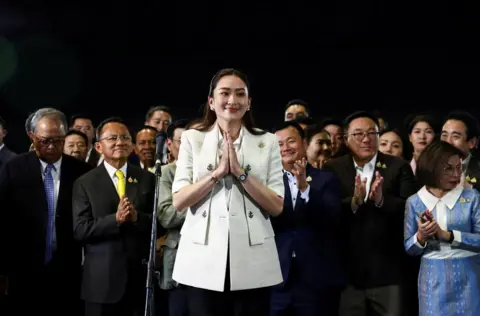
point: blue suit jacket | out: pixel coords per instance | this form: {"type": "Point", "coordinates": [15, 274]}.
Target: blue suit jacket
{"type": "Point", "coordinates": [311, 231]}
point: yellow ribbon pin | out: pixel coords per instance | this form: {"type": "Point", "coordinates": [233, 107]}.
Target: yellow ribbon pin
{"type": "Point", "coordinates": [309, 179]}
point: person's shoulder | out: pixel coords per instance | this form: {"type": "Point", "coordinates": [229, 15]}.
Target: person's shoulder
{"type": "Point", "coordinates": [194, 134]}
{"type": "Point", "coordinates": [338, 162]}
{"type": "Point", "coordinates": [390, 160]}
{"type": "Point", "coordinates": [169, 168]}
{"type": "Point", "coordinates": [80, 167]}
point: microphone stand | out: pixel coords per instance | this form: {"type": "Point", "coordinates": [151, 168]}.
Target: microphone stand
{"type": "Point", "coordinates": [150, 287]}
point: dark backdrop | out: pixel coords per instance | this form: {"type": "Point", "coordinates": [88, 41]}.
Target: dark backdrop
{"type": "Point", "coordinates": [120, 57]}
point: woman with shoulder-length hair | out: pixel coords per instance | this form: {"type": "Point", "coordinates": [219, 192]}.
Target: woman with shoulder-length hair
{"type": "Point", "coordinates": [229, 175]}
{"type": "Point", "coordinates": [442, 225]}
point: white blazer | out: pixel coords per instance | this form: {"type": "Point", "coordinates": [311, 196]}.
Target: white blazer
{"type": "Point", "coordinates": [211, 229]}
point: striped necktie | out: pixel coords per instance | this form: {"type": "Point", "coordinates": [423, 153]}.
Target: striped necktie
{"type": "Point", "coordinates": [50, 193]}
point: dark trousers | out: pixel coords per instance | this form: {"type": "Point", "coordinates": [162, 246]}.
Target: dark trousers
{"type": "Point", "coordinates": [53, 289]}
{"type": "Point", "coordinates": [201, 302]}
{"type": "Point", "coordinates": [294, 298]}
{"type": "Point", "coordinates": [381, 301]}
{"type": "Point", "coordinates": [177, 301]}
{"type": "Point", "coordinates": [131, 304]}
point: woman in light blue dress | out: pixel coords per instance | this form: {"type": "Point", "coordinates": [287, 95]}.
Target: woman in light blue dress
{"type": "Point", "coordinates": [442, 224]}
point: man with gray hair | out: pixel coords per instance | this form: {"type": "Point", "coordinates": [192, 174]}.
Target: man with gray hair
{"type": "Point", "coordinates": [39, 255]}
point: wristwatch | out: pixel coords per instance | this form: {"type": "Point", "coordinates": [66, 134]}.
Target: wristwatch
{"type": "Point", "coordinates": [243, 177]}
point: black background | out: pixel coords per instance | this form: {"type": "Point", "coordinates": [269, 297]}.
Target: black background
{"type": "Point", "coordinates": [121, 57]}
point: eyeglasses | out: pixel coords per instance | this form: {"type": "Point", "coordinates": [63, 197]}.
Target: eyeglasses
{"type": "Point", "coordinates": [360, 136]}
{"type": "Point", "coordinates": [115, 138]}
{"type": "Point", "coordinates": [46, 141]}
{"type": "Point", "coordinates": [451, 170]}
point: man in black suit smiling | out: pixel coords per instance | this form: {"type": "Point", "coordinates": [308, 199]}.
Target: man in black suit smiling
{"type": "Point", "coordinates": [112, 208]}
{"type": "Point", "coordinates": [374, 189]}
{"type": "Point", "coordinates": [38, 253]}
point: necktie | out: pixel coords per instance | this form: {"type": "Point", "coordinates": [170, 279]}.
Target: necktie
{"type": "Point", "coordinates": [121, 183]}
{"type": "Point", "coordinates": [50, 193]}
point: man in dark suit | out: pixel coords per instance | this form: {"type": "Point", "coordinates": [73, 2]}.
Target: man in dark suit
{"type": "Point", "coordinates": [112, 208]}
{"type": "Point", "coordinates": [5, 153]}
{"type": "Point", "coordinates": [84, 124]}
{"type": "Point", "coordinates": [374, 189]}
{"type": "Point", "coordinates": [306, 233]}
{"type": "Point", "coordinates": [461, 129]}
{"type": "Point", "coordinates": [39, 254]}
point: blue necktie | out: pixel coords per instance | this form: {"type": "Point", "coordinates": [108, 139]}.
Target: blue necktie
{"type": "Point", "coordinates": [50, 193]}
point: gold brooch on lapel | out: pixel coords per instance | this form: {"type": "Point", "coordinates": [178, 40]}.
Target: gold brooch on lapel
{"type": "Point", "coordinates": [309, 179]}
{"type": "Point", "coordinates": [135, 181]}
{"type": "Point", "coordinates": [130, 180]}
{"type": "Point", "coordinates": [471, 180]}
{"type": "Point", "coordinates": [261, 145]}
{"type": "Point", "coordinates": [380, 165]}
{"type": "Point", "coordinates": [463, 200]}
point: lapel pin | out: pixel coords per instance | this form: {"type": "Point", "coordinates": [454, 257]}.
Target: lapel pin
{"type": "Point", "coordinates": [473, 180]}
{"type": "Point", "coordinates": [379, 165]}
{"type": "Point", "coordinates": [130, 179]}
{"type": "Point", "coordinates": [209, 167]}
{"type": "Point", "coordinates": [250, 214]}
{"type": "Point", "coordinates": [309, 179]}
{"type": "Point", "coordinates": [462, 200]}
{"type": "Point", "coordinates": [467, 178]}
{"type": "Point", "coordinates": [261, 145]}
{"type": "Point", "coordinates": [135, 181]}
{"type": "Point", "coordinates": [384, 166]}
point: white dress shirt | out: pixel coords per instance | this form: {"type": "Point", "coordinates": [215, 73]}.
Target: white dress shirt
{"type": "Point", "coordinates": [111, 172]}
{"type": "Point", "coordinates": [1, 146]}
{"type": "Point", "coordinates": [56, 182]}
{"type": "Point", "coordinates": [292, 183]}
{"type": "Point", "coordinates": [368, 171]}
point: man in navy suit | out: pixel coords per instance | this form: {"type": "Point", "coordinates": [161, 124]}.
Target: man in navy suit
{"type": "Point", "coordinates": [305, 233]}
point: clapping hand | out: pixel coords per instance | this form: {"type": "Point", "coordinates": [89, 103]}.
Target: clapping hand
{"type": "Point", "coordinates": [360, 190]}
{"type": "Point", "coordinates": [235, 168]}
{"type": "Point", "coordinates": [126, 211]}
{"type": "Point", "coordinates": [376, 192]}
{"type": "Point", "coordinates": [427, 226]}
{"type": "Point", "coordinates": [300, 172]}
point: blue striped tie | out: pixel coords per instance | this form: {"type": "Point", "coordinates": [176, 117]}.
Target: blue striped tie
{"type": "Point", "coordinates": [50, 193]}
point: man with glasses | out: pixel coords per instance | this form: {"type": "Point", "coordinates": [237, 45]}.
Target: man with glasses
{"type": "Point", "coordinates": [38, 251]}
{"type": "Point", "coordinates": [374, 191]}
{"type": "Point", "coordinates": [112, 206]}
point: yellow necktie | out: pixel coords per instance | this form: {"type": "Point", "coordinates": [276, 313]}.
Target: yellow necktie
{"type": "Point", "coordinates": [121, 183]}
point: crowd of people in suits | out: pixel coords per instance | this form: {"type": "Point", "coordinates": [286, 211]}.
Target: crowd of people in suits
{"type": "Point", "coordinates": [338, 217]}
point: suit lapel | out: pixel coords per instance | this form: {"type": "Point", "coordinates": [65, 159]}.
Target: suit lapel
{"type": "Point", "coordinates": [65, 179]}
{"type": "Point", "coordinates": [35, 173]}
{"type": "Point", "coordinates": [106, 183]}
{"type": "Point", "coordinates": [132, 183]}
{"type": "Point", "coordinates": [349, 173]}
{"type": "Point", "coordinates": [208, 154]}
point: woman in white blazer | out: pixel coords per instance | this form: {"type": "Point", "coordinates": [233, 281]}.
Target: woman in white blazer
{"type": "Point", "coordinates": [229, 175]}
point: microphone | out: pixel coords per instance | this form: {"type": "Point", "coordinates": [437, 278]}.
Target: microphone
{"type": "Point", "coordinates": [161, 138]}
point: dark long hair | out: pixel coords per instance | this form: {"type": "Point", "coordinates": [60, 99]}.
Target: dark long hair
{"type": "Point", "coordinates": [209, 117]}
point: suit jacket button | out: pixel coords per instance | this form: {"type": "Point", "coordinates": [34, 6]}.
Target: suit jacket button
{"type": "Point", "coordinates": [204, 214]}
{"type": "Point", "coordinates": [250, 214]}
